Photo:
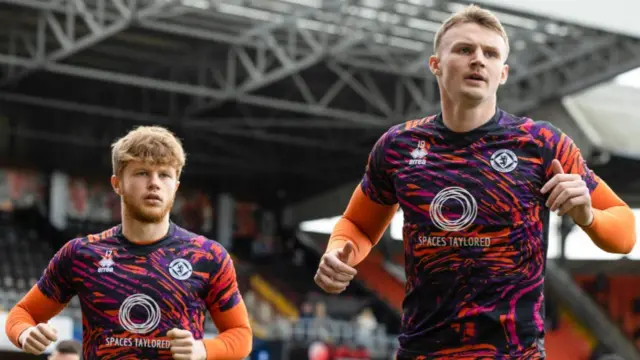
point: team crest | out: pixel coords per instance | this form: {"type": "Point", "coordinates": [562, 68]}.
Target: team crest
{"type": "Point", "coordinates": [504, 161]}
{"type": "Point", "coordinates": [180, 269]}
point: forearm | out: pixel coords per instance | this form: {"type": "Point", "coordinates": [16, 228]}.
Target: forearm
{"type": "Point", "coordinates": [235, 339]}
{"type": "Point", "coordinates": [346, 231]}
{"type": "Point", "coordinates": [613, 229]}
{"type": "Point", "coordinates": [231, 344]}
{"type": "Point", "coordinates": [33, 309]}
{"type": "Point", "coordinates": [18, 321]}
{"type": "Point", "coordinates": [362, 224]}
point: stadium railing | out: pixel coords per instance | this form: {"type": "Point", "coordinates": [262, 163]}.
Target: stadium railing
{"type": "Point", "coordinates": [335, 332]}
{"type": "Point", "coordinates": [588, 312]}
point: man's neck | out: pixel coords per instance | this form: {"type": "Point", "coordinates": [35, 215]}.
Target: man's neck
{"type": "Point", "coordinates": [461, 117]}
{"type": "Point", "coordinates": [144, 233]}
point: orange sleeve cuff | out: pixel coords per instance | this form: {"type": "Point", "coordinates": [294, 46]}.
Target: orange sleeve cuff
{"type": "Point", "coordinates": [33, 309]}
{"type": "Point", "coordinates": [363, 224]}
{"type": "Point", "coordinates": [613, 228]}
{"type": "Point", "coordinates": [234, 341]}
{"type": "Point", "coordinates": [346, 231]}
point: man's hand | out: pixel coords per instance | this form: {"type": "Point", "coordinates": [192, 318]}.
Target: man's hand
{"type": "Point", "coordinates": [37, 338]}
{"type": "Point", "coordinates": [334, 274]}
{"type": "Point", "coordinates": [185, 347]}
{"type": "Point", "coordinates": [568, 194]}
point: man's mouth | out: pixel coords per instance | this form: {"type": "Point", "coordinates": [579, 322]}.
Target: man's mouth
{"type": "Point", "coordinates": [475, 76]}
{"type": "Point", "coordinates": [153, 197]}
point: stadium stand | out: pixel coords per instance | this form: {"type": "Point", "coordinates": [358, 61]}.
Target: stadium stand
{"type": "Point", "coordinates": [619, 296]}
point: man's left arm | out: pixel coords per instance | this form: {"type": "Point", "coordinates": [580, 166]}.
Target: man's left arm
{"type": "Point", "coordinates": [229, 313]}
{"type": "Point", "coordinates": [613, 227]}
{"type": "Point", "coordinates": [575, 190]}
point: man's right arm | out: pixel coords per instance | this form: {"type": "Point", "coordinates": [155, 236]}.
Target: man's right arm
{"type": "Point", "coordinates": [34, 308]}
{"type": "Point", "coordinates": [46, 299]}
{"type": "Point", "coordinates": [371, 208]}
{"type": "Point", "coordinates": [362, 224]}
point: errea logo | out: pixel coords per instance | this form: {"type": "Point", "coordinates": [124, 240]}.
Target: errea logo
{"type": "Point", "coordinates": [106, 264]}
{"type": "Point", "coordinates": [418, 154]}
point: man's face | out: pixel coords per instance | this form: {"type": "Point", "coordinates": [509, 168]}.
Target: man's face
{"type": "Point", "coordinates": [470, 63]}
{"type": "Point", "coordinates": [58, 356]}
{"type": "Point", "coordinates": [147, 191]}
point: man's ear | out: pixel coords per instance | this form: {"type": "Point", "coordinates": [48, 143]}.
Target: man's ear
{"type": "Point", "coordinates": [115, 184]}
{"type": "Point", "coordinates": [434, 65]}
{"type": "Point", "coordinates": [504, 75]}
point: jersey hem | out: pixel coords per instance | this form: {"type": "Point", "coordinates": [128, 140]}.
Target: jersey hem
{"type": "Point", "coordinates": [403, 354]}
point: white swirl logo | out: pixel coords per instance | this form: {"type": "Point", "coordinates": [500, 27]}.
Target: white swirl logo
{"type": "Point", "coordinates": [462, 197]}
{"type": "Point", "coordinates": [149, 305]}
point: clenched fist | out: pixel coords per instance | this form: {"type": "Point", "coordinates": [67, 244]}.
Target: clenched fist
{"type": "Point", "coordinates": [568, 194]}
{"type": "Point", "coordinates": [334, 274]}
{"type": "Point", "coordinates": [185, 347]}
{"type": "Point", "coordinates": [37, 338]}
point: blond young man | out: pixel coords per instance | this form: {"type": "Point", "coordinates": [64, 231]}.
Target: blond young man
{"type": "Point", "coordinates": [66, 350]}
{"type": "Point", "coordinates": [476, 186]}
{"type": "Point", "coordinates": [145, 285]}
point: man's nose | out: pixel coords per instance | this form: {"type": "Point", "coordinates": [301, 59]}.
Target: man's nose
{"type": "Point", "coordinates": [478, 58]}
{"type": "Point", "coordinates": [154, 181]}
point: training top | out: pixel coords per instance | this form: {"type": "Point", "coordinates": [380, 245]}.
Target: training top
{"type": "Point", "coordinates": [132, 295]}
{"type": "Point", "coordinates": [475, 231]}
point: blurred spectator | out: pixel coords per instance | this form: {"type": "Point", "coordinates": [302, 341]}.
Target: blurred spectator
{"type": "Point", "coordinates": [367, 324]}
{"type": "Point", "coordinates": [67, 350]}
{"type": "Point", "coordinates": [321, 310]}
{"type": "Point", "coordinates": [250, 300]}
{"type": "Point", "coordinates": [306, 310]}
{"type": "Point", "coordinates": [265, 312]}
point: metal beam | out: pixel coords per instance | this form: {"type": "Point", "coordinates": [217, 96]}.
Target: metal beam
{"type": "Point", "coordinates": [199, 124]}
{"type": "Point", "coordinates": [325, 145]}
{"type": "Point", "coordinates": [277, 122]}
{"type": "Point", "coordinates": [320, 46]}
{"type": "Point", "coordinates": [190, 89]}
{"type": "Point", "coordinates": [596, 60]}
{"type": "Point", "coordinates": [103, 111]}
{"type": "Point", "coordinates": [203, 127]}
{"type": "Point", "coordinates": [65, 32]}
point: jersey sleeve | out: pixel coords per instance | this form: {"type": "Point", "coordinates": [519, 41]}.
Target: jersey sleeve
{"type": "Point", "coordinates": [56, 282]}
{"type": "Point", "coordinates": [223, 293]}
{"type": "Point", "coordinates": [560, 146]}
{"type": "Point", "coordinates": [377, 182]}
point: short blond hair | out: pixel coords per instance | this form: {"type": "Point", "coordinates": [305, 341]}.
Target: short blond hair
{"type": "Point", "coordinates": [150, 144]}
{"type": "Point", "coordinates": [475, 15]}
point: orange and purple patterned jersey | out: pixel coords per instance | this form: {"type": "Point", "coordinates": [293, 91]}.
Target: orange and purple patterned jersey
{"type": "Point", "coordinates": [132, 295]}
{"type": "Point", "coordinates": [475, 231]}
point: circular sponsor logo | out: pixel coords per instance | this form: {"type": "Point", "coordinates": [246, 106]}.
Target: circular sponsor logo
{"type": "Point", "coordinates": [468, 209]}
{"type": "Point", "coordinates": [148, 305]}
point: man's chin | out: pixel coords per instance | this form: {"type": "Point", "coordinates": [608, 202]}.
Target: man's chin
{"type": "Point", "coordinates": [149, 216]}
{"type": "Point", "coordinates": [474, 94]}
